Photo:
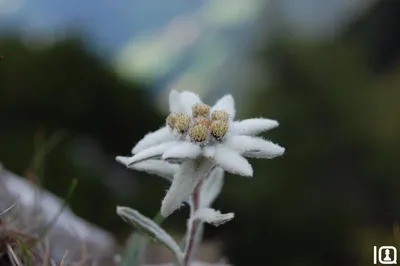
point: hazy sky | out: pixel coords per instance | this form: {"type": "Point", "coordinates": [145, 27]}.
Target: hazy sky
{"type": "Point", "coordinates": [111, 23]}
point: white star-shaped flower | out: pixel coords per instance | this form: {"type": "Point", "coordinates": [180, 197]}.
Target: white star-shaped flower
{"type": "Point", "coordinates": [200, 137]}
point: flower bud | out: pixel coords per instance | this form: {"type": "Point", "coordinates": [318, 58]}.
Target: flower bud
{"type": "Point", "coordinates": [198, 132]}
{"type": "Point", "coordinates": [200, 109]}
{"type": "Point", "coordinates": [182, 122]}
{"type": "Point", "coordinates": [219, 128]}
{"type": "Point", "coordinates": [203, 121]}
{"type": "Point", "coordinates": [220, 115]}
{"type": "Point", "coordinates": [171, 119]}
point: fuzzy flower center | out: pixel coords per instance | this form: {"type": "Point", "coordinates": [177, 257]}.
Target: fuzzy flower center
{"type": "Point", "coordinates": [201, 109]}
{"type": "Point", "coordinates": [203, 121]}
{"type": "Point", "coordinates": [220, 115]}
{"type": "Point", "coordinates": [201, 125]}
{"type": "Point", "coordinates": [219, 128]}
{"type": "Point", "coordinates": [198, 132]}
{"type": "Point", "coordinates": [171, 119]}
{"type": "Point", "coordinates": [182, 122]}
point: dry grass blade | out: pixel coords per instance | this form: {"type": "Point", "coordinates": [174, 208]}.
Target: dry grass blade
{"type": "Point", "coordinates": [12, 256]}
{"type": "Point", "coordinates": [71, 190]}
{"type": "Point", "coordinates": [46, 256]}
{"type": "Point", "coordinates": [12, 243]}
{"type": "Point", "coordinates": [9, 208]}
{"type": "Point", "coordinates": [84, 251]}
{"type": "Point", "coordinates": [64, 258]}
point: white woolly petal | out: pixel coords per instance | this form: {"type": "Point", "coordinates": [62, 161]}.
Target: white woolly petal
{"type": "Point", "coordinates": [157, 167]}
{"type": "Point", "coordinates": [212, 187]}
{"type": "Point", "coordinates": [175, 104]}
{"type": "Point", "coordinates": [123, 160]}
{"type": "Point", "coordinates": [259, 154]}
{"type": "Point", "coordinates": [154, 138]}
{"type": "Point", "coordinates": [254, 147]}
{"type": "Point", "coordinates": [212, 216]}
{"type": "Point", "coordinates": [188, 99]}
{"type": "Point", "coordinates": [209, 152]}
{"type": "Point", "coordinates": [183, 184]}
{"type": "Point", "coordinates": [183, 150]}
{"type": "Point", "coordinates": [232, 161]}
{"type": "Point", "coordinates": [152, 152]}
{"type": "Point", "coordinates": [227, 104]}
{"type": "Point", "coordinates": [252, 126]}
{"type": "Point", "coordinates": [174, 101]}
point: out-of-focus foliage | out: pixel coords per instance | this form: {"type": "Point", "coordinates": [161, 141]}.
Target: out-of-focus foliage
{"type": "Point", "coordinates": [335, 192]}
{"type": "Point", "coordinates": [45, 89]}
{"type": "Point", "coordinates": [377, 33]}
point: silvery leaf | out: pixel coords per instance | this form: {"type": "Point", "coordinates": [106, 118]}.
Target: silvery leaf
{"type": "Point", "coordinates": [149, 227]}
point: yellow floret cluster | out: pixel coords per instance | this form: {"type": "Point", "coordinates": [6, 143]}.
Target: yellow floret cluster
{"type": "Point", "coordinates": [201, 124]}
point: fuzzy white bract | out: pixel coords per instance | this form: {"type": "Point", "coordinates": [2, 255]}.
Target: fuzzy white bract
{"type": "Point", "coordinates": [200, 137]}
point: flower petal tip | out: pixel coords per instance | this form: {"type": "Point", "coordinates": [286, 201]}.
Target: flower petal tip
{"type": "Point", "coordinates": [135, 150]}
{"type": "Point", "coordinates": [168, 207]}
{"type": "Point", "coordinates": [248, 173]}
{"type": "Point", "coordinates": [166, 210]}
{"type": "Point", "coordinates": [279, 151]}
{"type": "Point", "coordinates": [122, 159]}
{"type": "Point", "coordinates": [274, 124]}
{"type": "Point", "coordinates": [229, 97]}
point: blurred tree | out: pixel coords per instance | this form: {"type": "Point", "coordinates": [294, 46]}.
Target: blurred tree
{"type": "Point", "coordinates": [63, 86]}
{"type": "Point", "coordinates": [339, 178]}
{"type": "Point", "coordinates": [378, 32]}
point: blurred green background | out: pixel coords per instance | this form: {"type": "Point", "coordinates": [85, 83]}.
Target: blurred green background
{"type": "Point", "coordinates": [333, 195]}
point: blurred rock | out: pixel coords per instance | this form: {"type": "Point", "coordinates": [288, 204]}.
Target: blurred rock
{"type": "Point", "coordinates": [35, 208]}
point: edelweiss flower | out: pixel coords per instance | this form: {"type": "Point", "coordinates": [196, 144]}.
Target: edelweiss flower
{"type": "Point", "coordinates": [200, 137]}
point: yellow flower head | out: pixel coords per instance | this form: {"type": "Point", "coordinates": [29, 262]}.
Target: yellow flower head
{"type": "Point", "coordinates": [171, 119]}
{"type": "Point", "coordinates": [219, 128]}
{"type": "Point", "coordinates": [198, 132]}
{"type": "Point", "coordinates": [220, 115]}
{"type": "Point", "coordinates": [182, 122]}
{"type": "Point", "coordinates": [200, 109]}
{"type": "Point", "coordinates": [203, 121]}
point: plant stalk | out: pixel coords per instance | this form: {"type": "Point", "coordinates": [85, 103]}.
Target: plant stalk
{"type": "Point", "coordinates": [194, 226]}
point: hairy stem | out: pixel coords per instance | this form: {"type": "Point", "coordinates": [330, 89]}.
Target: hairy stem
{"type": "Point", "coordinates": [194, 226]}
